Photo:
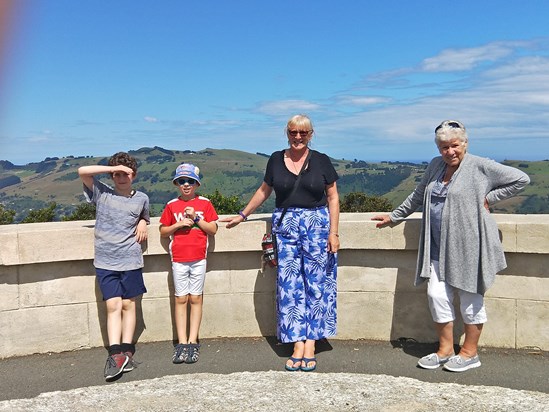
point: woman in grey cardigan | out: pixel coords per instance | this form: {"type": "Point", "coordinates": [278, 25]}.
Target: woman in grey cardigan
{"type": "Point", "coordinates": [459, 250]}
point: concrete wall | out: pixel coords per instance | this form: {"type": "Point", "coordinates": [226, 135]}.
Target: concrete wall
{"type": "Point", "coordinates": [49, 300]}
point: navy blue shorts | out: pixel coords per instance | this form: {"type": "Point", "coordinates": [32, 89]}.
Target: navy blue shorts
{"type": "Point", "coordinates": [126, 284]}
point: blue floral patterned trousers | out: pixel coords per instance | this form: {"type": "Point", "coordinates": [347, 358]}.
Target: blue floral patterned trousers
{"type": "Point", "coordinates": [307, 275]}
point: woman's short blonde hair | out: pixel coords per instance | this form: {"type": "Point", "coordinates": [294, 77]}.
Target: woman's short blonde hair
{"type": "Point", "coordinates": [300, 121]}
{"type": "Point", "coordinates": [450, 129]}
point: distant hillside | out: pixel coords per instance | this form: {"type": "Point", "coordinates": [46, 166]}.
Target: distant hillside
{"type": "Point", "coordinates": [233, 173]}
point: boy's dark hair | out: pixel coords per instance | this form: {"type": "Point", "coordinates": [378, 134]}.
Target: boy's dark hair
{"type": "Point", "coordinates": [124, 159]}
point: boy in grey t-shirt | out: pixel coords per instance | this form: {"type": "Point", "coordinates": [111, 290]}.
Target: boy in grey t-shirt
{"type": "Point", "coordinates": [122, 215]}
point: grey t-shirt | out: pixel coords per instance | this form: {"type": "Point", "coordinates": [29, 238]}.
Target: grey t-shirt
{"type": "Point", "coordinates": [116, 220]}
{"type": "Point", "coordinates": [438, 199]}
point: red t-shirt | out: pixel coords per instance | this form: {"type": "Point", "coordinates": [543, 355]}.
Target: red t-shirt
{"type": "Point", "coordinates": [188, 244]}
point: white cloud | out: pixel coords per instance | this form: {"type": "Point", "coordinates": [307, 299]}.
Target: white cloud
{"type": "Point", "coordinates": [362, 100]}
{"type": "Point", "coordinates": [451, 60]}
{"type": "Point", "coordinates": [283, 107]}
{"type": "Point", "coordinates": [41, 136]}
{"type": "Point", "coordinates": [150, 119]}
{"type": "Point", "coordinates": [38, 139]}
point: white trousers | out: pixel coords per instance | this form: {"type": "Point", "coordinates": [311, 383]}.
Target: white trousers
{"type": "Point", "coordinates": [441, 301]}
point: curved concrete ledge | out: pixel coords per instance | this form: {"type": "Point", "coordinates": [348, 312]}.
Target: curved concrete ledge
{"type": "Point", "coordinates": [315, 391]}
{"type": "Point", "coordinates": [50, 301]}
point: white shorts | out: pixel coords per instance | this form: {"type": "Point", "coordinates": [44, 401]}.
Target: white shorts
{"type": "Point", "coordinates": [188, 277]}
{"type": "Point", "coordinates": [441, 301]}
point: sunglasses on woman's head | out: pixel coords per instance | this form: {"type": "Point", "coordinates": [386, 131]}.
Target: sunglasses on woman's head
{"type": "Point", "coordinates": [181, 181]}
{"type": "Point", "coordinates": [450, 124]}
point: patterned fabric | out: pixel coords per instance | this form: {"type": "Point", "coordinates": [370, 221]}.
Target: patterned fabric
{"type": "Point", "coordinates": [307, 275]}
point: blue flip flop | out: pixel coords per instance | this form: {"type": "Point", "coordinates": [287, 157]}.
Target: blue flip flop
{"type": "Point", "coordinates": [294, 368]}
{"type": "Point", "coordinates": [306, 368]}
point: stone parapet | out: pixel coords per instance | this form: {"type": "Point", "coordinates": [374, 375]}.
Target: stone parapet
{"type": "Point", "coordinates": [51, 302]}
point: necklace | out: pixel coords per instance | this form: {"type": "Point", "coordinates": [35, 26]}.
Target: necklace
{"type": "Point", "coordinates": [294, 164]}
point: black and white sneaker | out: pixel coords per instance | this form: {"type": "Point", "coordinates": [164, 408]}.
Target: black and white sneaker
{"type": "Point", "coordinates": [180, 353]}
{"type": "Point", "coordinates": [194, 353]}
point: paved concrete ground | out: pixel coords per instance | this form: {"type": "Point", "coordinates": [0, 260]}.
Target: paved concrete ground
{"type": "Point", "coordinates": [247, 374]}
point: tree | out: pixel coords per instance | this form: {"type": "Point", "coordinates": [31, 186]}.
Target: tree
{"type": "Point", "coordinates": [6, 215]}
{"type": "Point", "coordinates": [358, 202]}
{"type": "Point", "coordinates": [225, 205]}
{"type": "Point", "coordinates": [46, 214]}
{"type": "Point", "coordinates": [84, 211]}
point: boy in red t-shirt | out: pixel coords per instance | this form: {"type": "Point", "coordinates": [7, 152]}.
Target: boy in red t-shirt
{"type": "Point", "coordinates": [188, 220]}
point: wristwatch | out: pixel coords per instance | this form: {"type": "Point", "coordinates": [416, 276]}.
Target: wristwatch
{"type": "Point", "coordinates": [197, 219]}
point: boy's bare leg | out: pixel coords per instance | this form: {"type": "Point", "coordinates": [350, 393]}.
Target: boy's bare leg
{"type": "Point", "coordinates": [128, 320]}
{"type": "Point", "coordinates": [196, 317]}
{"type": "Point", "coordinates": [180, 311]}
{"type": "Point", "coordinates": [114, 320]}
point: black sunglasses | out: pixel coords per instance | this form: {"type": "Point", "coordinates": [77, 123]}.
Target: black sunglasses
{"type": "Point", "coordinates": [181, 181]}
{"type": "Point", "coordinates": [294, 133]}
{"type": "Point", "coordinates": [454, 125]}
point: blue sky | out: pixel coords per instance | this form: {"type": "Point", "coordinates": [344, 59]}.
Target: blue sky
{"type": "Point", "coordinates": [95, 77]}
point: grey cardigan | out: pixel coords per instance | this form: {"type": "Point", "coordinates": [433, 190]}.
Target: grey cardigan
{"type": "Point", "coordinates": [470, 249]}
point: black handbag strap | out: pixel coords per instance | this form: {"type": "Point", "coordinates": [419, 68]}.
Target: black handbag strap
{"type": "Point", "coordinates": [295, 186]}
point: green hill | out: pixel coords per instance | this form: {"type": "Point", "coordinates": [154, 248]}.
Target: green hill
{"type": "Point", "coordinates": [232, 173]}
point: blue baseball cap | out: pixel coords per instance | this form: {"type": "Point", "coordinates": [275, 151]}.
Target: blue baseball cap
{"type": "Point", "coordinates": [187, 170]}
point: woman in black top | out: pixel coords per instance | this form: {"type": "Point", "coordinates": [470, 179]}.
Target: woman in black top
{"type": "Point", "coordinates": [307, 241]}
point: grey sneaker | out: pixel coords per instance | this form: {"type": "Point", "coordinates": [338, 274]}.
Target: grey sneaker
{"type": "Point", "coordinates": [130, 366]}
{"type": "Point", "coordinates": [180, 353]}
{"type": "Point", "coordinates": [115, 365]}
{"type": "Point", "coordinates": [459, 364]}
{"type": "Point", "coordinates": [432, 361]}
